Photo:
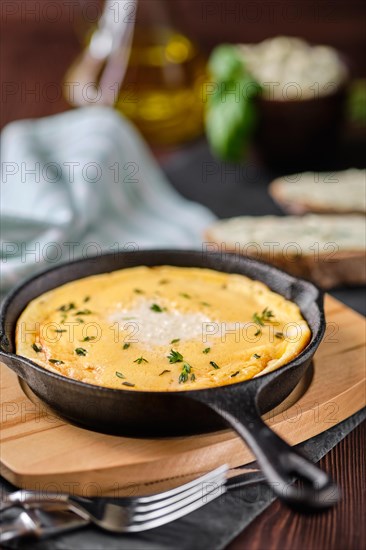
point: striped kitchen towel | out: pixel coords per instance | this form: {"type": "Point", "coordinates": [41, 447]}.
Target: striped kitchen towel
{"type": "Point", "coordinates": [82, 182]}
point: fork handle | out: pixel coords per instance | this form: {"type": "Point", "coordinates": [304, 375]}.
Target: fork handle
{"type": "Point", "coordinates": [9, 532]}
{"type": "Point", "coordinates": [32, 526]}
{"type": "Point", "coordinates": [19, 498]}
{"type": "Point", "coordinates": [13, 530]}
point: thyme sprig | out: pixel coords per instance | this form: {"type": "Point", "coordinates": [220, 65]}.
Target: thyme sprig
{"type": "Point", "coordinates": [175, 357]}
{"type": "Point", "coordinates": [265, 317]}
{"type": "Point", "coordinates": [140, 360]}
{"type": "Point", "coordinates": [83, 312]}
{"type": "Point", "coordinates": [67, 307]}
{"type": "Point", "coordinates": [36, 348]}
{"type": "Point", "coordinates": [261, 318]}
{"type": "Point", "coordinates": [185, 372]}
{"type": "Point", "coordinates": [157, 308]}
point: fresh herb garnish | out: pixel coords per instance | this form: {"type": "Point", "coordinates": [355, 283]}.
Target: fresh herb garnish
{"type": "Point", "coordinates": [215, 365]}
{"type": "Point", "coordinates": [120, 375]}
{"type": "Point", "coordinates": [193, 377]}
{"type": "Point", "coordinates": [183, 377]}
{"type": "Point", "coordinates": [80, 351]}
{"type": "Point", "coordinates": [60, 330]}
{"type": "Point", "coordinates": [83, 312]}
{"type": "Point", "coordinates": [140, 360]}
{"type": "Point", "coordinates": [175, 356]}
{"type": "Point", "coordinates": [67, 307]}
{"type": "Point", "coordinates": [128, 384]}
{"type": "Point", "coordinates": [256, 356]}
{"type": "Point", "coordinates": [206, 350]}
{"type": "Point", "coordinates": [185, 295]}
{"type": "Point", "coordinates": [257, 319]}
{"type": "Point", "coordinates": [156, 308]}
{"type": "Point", "coordinates": [56, 362]}
{"type": "Point", "coordinates": [36, 348]}
{"type": "Point", "coordinates": [206, 304]}
{"type": "Point", "coordinates": [88, 338]}
{"type": "Point", "coordinates": [138, 291]}
{"type": "Point", "coordinates": [163, 282]}
{"type": "Point", "coordinates": [87, 298]}
{"type": "Point", "coordinates": [126, 345]}
{"type": "Point", "coordinates": [175, 341]}
{"type": "Point", "coordinates": [257, 332]}
{"type": "Point", "coordinates": [164, 371]}
{"type": "Point", "coordinates": [279, 335]}
{"type": "Point", "coordinates": [80, 320]}
{"type": "Point", "coordinates": [235, 374]}
{"type": "Point", "coordinates": [265, 316]}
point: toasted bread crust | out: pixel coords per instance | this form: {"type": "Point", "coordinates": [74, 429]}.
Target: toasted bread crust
{"type": "Point", "coordinates": [342, 268]}
{"type": "Point", "coordinates": [277, 190]}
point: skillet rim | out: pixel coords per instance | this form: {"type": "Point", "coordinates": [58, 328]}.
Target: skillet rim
{"type": "Point", "coordinates": [306, 353]}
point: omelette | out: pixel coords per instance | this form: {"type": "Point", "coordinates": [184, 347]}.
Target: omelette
{"type": "Point", "coordinates": [161, 328]}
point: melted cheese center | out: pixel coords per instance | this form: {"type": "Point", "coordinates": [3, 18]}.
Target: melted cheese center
{"type": "Point", "coordinates": [161, 329]}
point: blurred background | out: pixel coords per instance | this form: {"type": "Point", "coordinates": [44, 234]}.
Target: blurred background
{"type": "Point", "coordinates": [41, 39]}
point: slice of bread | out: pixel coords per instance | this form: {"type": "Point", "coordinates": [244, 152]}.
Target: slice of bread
{"type": "Point", "coordinates": [329, 250]}
{"type": "Point", "coordinates": [332, 192]}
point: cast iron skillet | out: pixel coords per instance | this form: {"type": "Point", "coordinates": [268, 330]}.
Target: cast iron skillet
{"type": "Point", "coordinates": [142, 413]}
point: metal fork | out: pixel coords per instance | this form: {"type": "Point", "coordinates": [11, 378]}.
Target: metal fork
{"type": "Point", "coordinates": [41, 523]}
{"type": "Point", "coordinates": [136, 514]}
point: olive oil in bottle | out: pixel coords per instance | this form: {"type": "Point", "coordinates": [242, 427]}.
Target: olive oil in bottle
{"type": "Point", "coordinates": [161, 91]}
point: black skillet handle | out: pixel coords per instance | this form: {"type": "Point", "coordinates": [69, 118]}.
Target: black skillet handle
{"type": "Point", "coordinates": [279, 462]}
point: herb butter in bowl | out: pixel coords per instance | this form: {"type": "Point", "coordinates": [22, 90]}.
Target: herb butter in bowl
{"type": "Point", "coordinates": [293, 96]}
{"type": "Point", "coordinates": [290, 69]}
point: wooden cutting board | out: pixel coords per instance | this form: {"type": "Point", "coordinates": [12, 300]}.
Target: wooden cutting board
{"type": "Point", "coordinates": [41, 451]}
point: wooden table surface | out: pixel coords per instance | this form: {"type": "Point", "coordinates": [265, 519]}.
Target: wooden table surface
{"type": "Point", "coordinates": [34, 56]}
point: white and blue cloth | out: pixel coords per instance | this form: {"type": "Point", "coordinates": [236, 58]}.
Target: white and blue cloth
{"type": "Point", "coordinates": [82, 182]}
